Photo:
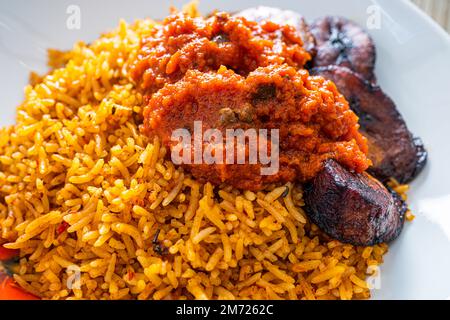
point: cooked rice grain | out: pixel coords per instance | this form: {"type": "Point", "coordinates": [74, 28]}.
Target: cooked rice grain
{"type": "Point", "coordinates": [83, 191]}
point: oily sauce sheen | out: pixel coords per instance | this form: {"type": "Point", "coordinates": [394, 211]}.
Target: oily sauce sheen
{"type": "Point", "coordinates": [232, 73]}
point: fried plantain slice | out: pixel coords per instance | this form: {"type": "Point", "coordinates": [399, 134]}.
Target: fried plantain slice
{"type": "Point", "coordinates": [371, 214]}
{"type": "Point", "coordinates": [394, 151]}
{"type": "Point", "coordinates": [342, 42]}
{"type": "Point", "coordinates": [282, 17]}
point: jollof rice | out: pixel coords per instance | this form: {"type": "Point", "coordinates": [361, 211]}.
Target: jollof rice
{"type": "Point", "coordinates": [82, 190]}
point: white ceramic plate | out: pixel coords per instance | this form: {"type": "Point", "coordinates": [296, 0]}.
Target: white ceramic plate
{"type": "Point", "coordinates": [413, 67]}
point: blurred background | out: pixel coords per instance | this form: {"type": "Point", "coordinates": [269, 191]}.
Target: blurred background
{"type": "Point", "coordinates": [438, 9]}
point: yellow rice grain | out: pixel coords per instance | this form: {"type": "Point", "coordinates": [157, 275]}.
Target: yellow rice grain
{"type": "Point", "coordinates": [83, 188]}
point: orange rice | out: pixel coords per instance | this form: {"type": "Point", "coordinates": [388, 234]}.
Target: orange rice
{"type": "Point", "coordinates": [98, 212]}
